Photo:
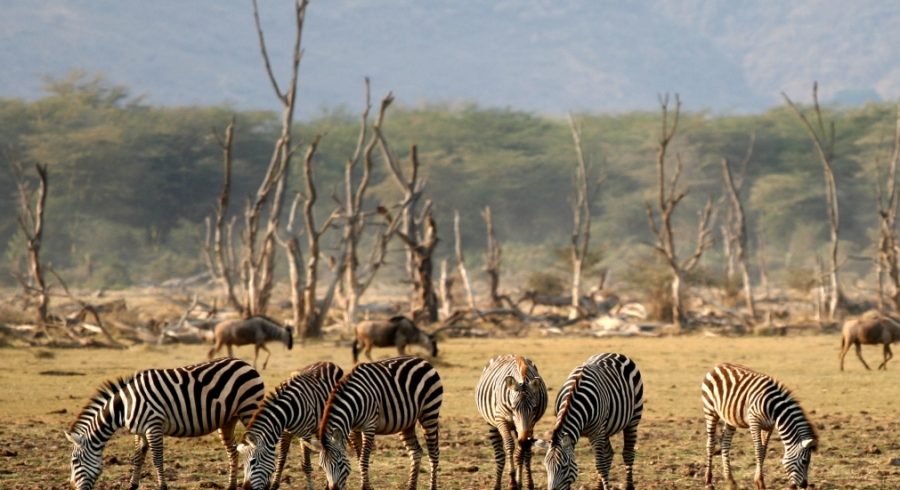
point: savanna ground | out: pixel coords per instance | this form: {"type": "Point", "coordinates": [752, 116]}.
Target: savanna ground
{"type": "Point", "coordinates": [41, 390]}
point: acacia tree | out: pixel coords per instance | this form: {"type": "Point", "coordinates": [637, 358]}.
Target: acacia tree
{"type": "Point", "coordinates": [823, 142]}
{"type": "Point", "coordinates": [660, 219]}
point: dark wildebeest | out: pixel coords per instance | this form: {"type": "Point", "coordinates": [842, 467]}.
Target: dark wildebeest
{"type": "Point", "coordinates": [256, 330]}
{"type": "Point", "coordinates": [398, 332]}
{"type": "Point", "coordinates": [872, 327]}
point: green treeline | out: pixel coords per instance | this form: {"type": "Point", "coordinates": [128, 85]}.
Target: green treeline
{"type": "Point", "coordinates": [130, 184]}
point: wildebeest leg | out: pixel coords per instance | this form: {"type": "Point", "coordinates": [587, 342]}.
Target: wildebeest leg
{"type": "Point", "coordinates": [368, 350]}
{"type": "Point", "coordinates": [214, 350]}
{"type": "Point", "coordinates": [230, 350]}
{"type": "Point", "coordinates": [268, 353]}
{"type": "Point", "coordinates": [887, 356]}
{"type": "Point", "coordinates": [401, 349]}
{"type": "Point", "coordinates": [845, 346]}
{"type": "Point", "coordinates": [859, 355]}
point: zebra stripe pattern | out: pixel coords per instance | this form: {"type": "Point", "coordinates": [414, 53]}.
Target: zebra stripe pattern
{"type": "Point", "coordinates": [294, 409]}
{"type": "Point", "coordinates": [600, 398]}
{"type": "Point", "coordinates": [742, 397]}
{"type": "Point", "coordinates": [511, 397]}
{"type": "Point", "coordinates": [183, 402]}
{"type": "Point", "coordinates": [383, 397]}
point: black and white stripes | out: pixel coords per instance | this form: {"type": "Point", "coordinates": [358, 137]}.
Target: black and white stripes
{"type": "Point", "coordinates": [183, 402]}
{"type": "Point", "coordinates": [600, 398]}
{"type": "Point", "coordinates": [741, 397]}
{"type": "Point", "coordinates": [294, 409]}
{"type": "Point", "coordinates": [511, 397]}
{"type": "Point", "coordinates": [383, 397]}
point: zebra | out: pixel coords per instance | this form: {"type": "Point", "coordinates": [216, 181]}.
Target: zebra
{"type": "Point", "coordinates": [742, 397]}
{"type": "Point", "coordinates": [600, 398]}
{"type": "Point", "coordinates": [292, 410]}
{"type": "Point", "coordinates": [382, 397]}
{"type": "Point", "coordinates": [182, 402]}
{"type": "Point", "coordinates": [511, 397]}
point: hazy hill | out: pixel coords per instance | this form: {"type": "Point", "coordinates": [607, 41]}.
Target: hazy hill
{"type": "Point", "coordinates": [544, 56]}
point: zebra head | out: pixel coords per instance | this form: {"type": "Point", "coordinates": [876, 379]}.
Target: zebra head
{"type": "Point", "coordinates": [524, 402]}
{"type": "Point", "coordinates": [259, 463]}
{"type": "Point", "coordinates": [562, 469]}
{"type": "Point", "coordinates": [87, 463]}
{"type": "Point", "coordinates": [333, 459]}
{"type": "Point", "coordinates": [796, 461]}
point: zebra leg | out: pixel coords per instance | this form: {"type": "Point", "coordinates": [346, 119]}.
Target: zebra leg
{"type": "Point", "coordinates": [284, 446]}
{"type": "Point", "coordinates": [630, 435]}
{"type": "Point", "coordinates": [526, 464]}
{"type": "Point", "coordinates": [137, 461]}
{"type": "Point", "coordinates": [432, 442]}
{"type": "Point", "coordinates": [415, 456]}
{"type": "Point", "coordinates": [307, 467]}
{"type": "Point", "coordinates": [509, 448]}
{"type": "Point", "coordinates": [859, 355]}
{"type": "Point", "coordinates": [155, 440]}
{"type": "Point", "coordinates": [760, 450]}
{"type": "Point", "coordinates": [226, 433]}
{"type": "Point", "coordinates": [712, 420]}
{"type": "Point", "coordinates": [356, 443]}
{"type": "Point", "coordinates": [727, 434]}
{"type": "Point", "coordinates": [603, 455]}
{"type": "Point", "coordinates": [499, 456]}
{"type": "Point", "coordinates": [368, 442]}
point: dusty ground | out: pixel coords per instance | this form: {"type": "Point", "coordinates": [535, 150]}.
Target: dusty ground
{"type": "Point", "coordinates": [42, 390]}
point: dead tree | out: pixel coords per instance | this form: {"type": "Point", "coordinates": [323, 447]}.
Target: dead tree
{"type": "Point", "coordinates": [461, 262]}
{"type": "Point", "coordinates": [218, 248]}
{"type": "Point", "coordinates": [660, 219]}
{"type": "Point", "coordinates": [418, 230]}
{"type": "Point", "coordinates": [357, 279]}
{"type": "Point", "coordinates": [738, 227]}
{"type": "Point", "coordinates": [729, 232]}
{"type": "Point", "coordinates": [581, 219]}
{"type": "Point", "coordinates": [31, 222]}
{"type": "Point", "coordinates": [492, 258]}
{"type": "Point", "coordinates": [886, 199]}
{"type": "Point", "coordinates": [258, 253]}
{"type": "Point", "coordinates": [823, 141]}
{"type": "Point", "coordinates": [295, 267]}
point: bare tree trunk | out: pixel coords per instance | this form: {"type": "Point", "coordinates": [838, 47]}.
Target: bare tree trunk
{"type": "Point", "coordinates": [581, 219]}
{"type": "Point", "coordinates": [31, 222]}
{"type": "Point", "coordinates": [740, 236]}
{"type": "Point", "coordinates": [761, 257]}
{"type": "Point", "coordinates": [461, 262]}
{"type": "Point", "coordinates": [223, 268]}
{"type": "Point", "coordinates": [295, 265]}
{"type": "Point", "coordinates": [887, 214]}
{"type": "Point", "coordinates": [492, 259]}
{"type": "Point", "coordinates": [668, 198]}
{"type": "Point", "coordinates": [446, 286]}
{"type": "Point", "coordinates": [824, 144]}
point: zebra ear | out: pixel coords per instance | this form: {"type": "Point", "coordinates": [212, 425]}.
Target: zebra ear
{"type": "Point", "coordinates": [808, 444]}
{"type": "Point", "coordinates": [534, 383]}
{"type": "Point", "coordinates": [73, 438]}
{"type": "Point", "coordinates": [541, 443]}
{"type": "Point", "coordinates": [566, 441]}
{"type": "Point", "coordinates": [243, 448]}
{"type": "Point", "coordinates": [511, 383]}
{"type": "Point", "coordinates": [312, 445]}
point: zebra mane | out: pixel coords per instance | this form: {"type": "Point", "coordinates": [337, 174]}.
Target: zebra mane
{"type": "Point", "coordinates": [272, 395]}
{"type": "Point", "coordinates": [326, 413]}
{"type": "Point", "coordinates": [104, 393]}
{"type": "Point", "coordinates": [564, 408]}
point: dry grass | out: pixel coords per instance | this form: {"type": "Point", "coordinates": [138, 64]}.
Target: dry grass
{"type": "Point", "coordinates": [855, 410]}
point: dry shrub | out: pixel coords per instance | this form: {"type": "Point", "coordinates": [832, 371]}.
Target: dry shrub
{"type": "Point", "coordinates": [651, 279]}
{"type": "Point", "coordinates": [546, 283]}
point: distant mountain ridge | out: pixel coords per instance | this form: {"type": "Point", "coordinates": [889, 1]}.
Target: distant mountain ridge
{"type": "Point", "coordinates": [549, 57]}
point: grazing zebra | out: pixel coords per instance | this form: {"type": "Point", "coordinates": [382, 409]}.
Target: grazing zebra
{"type": "Point", "coordinates": [182, 402]}
{"type": "Point", "coordinates": [511, 397]}
{"type": "Point", "coordinates": [600, 398]}
{"type": "Point", "coordinates": [745, 398]}
{"type": "Point", "coordinates": [292, 410]}
{"type": "Point", "coordinates": [382, 397]}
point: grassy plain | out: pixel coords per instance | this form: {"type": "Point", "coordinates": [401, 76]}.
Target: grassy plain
{"type": "Point", "coordinates": [856, 412]}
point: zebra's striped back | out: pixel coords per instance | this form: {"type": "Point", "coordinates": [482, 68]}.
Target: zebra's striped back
{"type": "Point", "coordinates": [382, 397]}
{"type": "Point", "coordinates": [188, 401]}
{"type": "Point", "coordinates": [600, 398]}
{"type": "Point", "coordinates": [744, 398]}
{"type": "Point", "coordinates": [295, 407]}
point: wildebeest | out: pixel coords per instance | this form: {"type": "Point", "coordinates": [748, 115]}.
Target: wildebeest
{"type": "Point", "coordinates": [256, 330]}
{"type": "Point", "coordinates": [872, 327]}
{"type": "Point", "coordinates": [398, 331]}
